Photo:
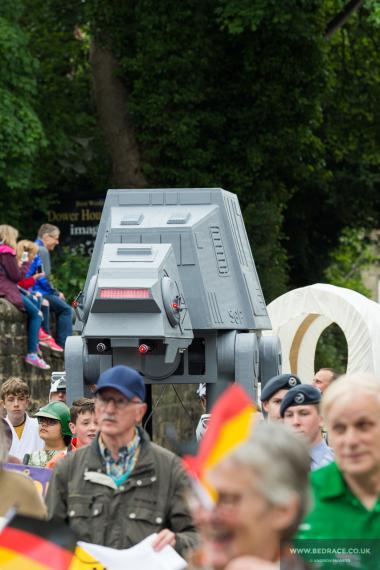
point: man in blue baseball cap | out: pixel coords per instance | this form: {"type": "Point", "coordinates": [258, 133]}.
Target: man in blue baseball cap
{"type": "Point", "coordinates": [273, 393]}
{"type": "Point", "coordinates": [300, 410]}
{"type": "Point", "coordinates": [121, 488]}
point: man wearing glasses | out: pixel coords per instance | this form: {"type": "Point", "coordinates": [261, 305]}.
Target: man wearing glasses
{"type": "Point", "coordinates": [47, 240]}
{"type": "Point", "coordinates": [121, 488]}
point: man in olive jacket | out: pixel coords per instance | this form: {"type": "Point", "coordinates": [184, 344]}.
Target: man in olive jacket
{"type": "Point", "coordinates": [122, 487]}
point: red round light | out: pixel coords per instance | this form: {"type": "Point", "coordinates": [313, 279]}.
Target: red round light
{"type": "Point", "coordinates": [144, 348]}
{"type": "Point", "coordinates": [175, 306]}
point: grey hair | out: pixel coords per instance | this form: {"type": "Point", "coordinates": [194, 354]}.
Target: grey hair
{"type": "Point", "coordinates": [281, 461]}
{"type": "Point", "coordinates": [348, 386]}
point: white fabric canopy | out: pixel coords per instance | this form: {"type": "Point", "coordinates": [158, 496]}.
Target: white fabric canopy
{"type": "Point", "coordinates": [300, 316]}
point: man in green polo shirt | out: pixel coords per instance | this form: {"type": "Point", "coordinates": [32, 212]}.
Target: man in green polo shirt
{"type": "Point", "coordinates": [343, 527]}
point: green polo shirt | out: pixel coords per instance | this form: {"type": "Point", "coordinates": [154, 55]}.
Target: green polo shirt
{"type": "Point", "coordinates": [338, 519]}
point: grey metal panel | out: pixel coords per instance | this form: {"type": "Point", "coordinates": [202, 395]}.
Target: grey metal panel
{"type": "Point", "coordinates": [179, 218]}
{"type": "Point", "coordinates": [187, 197]}
{"type": "Point", "coordinates": [205, 251]}
{"type": "Point", "coordinates": [257, 299]}
{"type": "Point", "coordinates": [270, 358]}
{"type": "Point", "coordinates": [139, 197]}
{"type": "Point", "coordinates": [246, 362]}
{"type": "Point", "coordinates": [74, 368]}
{"type": "Point", "coordinates": [174, 239]}
{"type": "Point", "coordinates": [150, 237]}
{"type": "Point", "coordinates": [131, 238]}
{"type": "Point", "coordinates": [132, 220]}
{"type": "Point", "coordinates": [157, 198]}
{"type": "Point", "coordinates": [171, 198]}
{"type": "Point", "coordinates": [220, 254]}
{"type": "Point", "coordinates": [187, 249]}
{"type": "Point", "coordinates": [231, 213]}
{"type": "Point", "coordinates": [215, 312]}
{"type": "Point", "coordinates": [137, 254]}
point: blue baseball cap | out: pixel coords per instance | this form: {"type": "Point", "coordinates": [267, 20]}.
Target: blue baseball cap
{"type": "Point", "coordinates": [304, 395]}
{"type": "Point", "coordinates": [124, 379]}
{"type": "Point", "coordinates": [280, 382]}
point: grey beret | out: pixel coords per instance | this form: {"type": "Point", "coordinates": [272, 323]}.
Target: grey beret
{"type": "Point", "coordinates": [281, 382]}
{"type": "Point", "coordinates": [304, 395]}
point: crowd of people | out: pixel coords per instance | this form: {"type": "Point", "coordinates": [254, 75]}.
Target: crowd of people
{"type": "Point", "coordinates": [308, 472]}
{"type": "Point", "coordinates": [25, 270]}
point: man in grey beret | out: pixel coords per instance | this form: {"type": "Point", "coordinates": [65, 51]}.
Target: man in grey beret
{"type": "Point", "coordinates": [273, 393]}
{"type": "Point", "coordinates": [300, 410]}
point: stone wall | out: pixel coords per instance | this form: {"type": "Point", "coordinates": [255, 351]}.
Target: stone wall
{"type": "Point", "coordinates": [13, 348]}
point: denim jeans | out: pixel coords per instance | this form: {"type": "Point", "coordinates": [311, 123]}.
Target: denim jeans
{"type": "Point", "coordinates": [37, 300]}
{"type": "Point", "coordinates": [64, 316]}
{"type": "Point", "coordinates": [34, 323]}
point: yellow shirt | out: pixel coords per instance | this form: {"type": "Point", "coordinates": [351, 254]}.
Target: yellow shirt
{"type": "Point", "coordinates": [19, 429]}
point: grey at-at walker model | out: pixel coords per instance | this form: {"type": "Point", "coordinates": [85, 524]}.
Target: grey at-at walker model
{"type": "Point", "coordinates": [172, 291]}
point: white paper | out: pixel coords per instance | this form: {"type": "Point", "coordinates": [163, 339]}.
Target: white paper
{"type": "Point", "coordinates": [139, 556]}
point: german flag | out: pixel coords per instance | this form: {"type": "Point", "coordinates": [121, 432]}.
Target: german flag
{"type": "Point", "coordinates": [230, 425]}
{"type": "Point", "coordinates": [34, 544]}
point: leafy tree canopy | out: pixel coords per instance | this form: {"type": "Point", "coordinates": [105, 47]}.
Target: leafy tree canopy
{"type": "Point", "coordinates": [21, 132]}
{"type": "Point", "coordinates": [250, 95]}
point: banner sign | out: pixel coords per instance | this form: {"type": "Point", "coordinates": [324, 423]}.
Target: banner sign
{"type": "Point", "coordinates": [78, 223]}
{"type": "Point", "coordinates": [39, 475]}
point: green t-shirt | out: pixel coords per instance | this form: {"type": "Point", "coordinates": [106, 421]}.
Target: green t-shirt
{"type": "Point", "coordinates": [339, 525]}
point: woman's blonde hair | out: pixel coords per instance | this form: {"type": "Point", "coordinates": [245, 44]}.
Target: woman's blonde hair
{"type": "Point", "coordinates": [26, 245]}
{"type": "Point", "coordinates": [8, 235]}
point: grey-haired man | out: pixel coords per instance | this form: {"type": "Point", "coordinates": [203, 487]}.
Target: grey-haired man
{"type": "Point", "coordinates": [121, 488]}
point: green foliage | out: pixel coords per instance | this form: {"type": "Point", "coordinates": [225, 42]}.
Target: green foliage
{"type": "Point", "coordinates": [346, 192]}
{"type": "Point", "coordinates": [73, 162]}
{"type": "Point", "coordinates": [332, 350]}
{"type": "Point", "coordinates": [21, 133]}
{"type": "Point", "coordinates": [243, 94]}
{"type": "Point", "coordinates": [229, 94]}
{"type": "Point", "coordinates": [353, 254]}
{"type": "Point", "coordinates": [70, 271]}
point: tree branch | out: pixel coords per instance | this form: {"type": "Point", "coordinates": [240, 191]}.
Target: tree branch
{"type": "Point", "coordinates": [341, 18]}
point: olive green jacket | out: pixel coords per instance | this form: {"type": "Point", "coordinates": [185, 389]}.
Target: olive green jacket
{"type": "Point", "coordinates": [81, 493]}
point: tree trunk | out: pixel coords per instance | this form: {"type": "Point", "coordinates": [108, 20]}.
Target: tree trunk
{"type": "Point", "coordinates": [111, 98]}
{"type": "Point", "coordinates": [340, 19]}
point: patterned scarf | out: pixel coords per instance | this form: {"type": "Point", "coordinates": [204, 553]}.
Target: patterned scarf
{"type": "Point", "coordinates": [121, 468]}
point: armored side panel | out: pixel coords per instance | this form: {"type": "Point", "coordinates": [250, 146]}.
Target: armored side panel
{"type": "Point", "coordinates": [207, 232]}
{"type": "Point", "coordinates": [172, 271]}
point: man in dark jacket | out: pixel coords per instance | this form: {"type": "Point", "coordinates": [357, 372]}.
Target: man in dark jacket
{"type": "Point", "coordinates": [122, 487]}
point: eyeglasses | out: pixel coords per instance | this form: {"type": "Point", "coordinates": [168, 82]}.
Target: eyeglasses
{"type": "Point", "coordinates": [47, 421]}
{"type": "Point", "coordinates": [119, 403]}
